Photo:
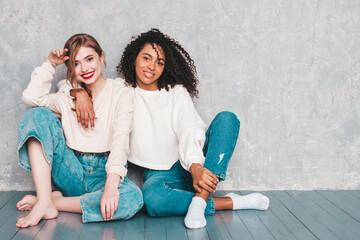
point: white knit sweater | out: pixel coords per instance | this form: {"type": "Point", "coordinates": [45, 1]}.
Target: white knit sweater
{"type": "Point", "coordinates": [166, 128]}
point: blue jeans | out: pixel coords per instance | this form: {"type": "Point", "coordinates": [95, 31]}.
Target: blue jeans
{"type": "Point", "coordinates": [74, 173]}
{"type": "Point", "coordinates": [169, 192]}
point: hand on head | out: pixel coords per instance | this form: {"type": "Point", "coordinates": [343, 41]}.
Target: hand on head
{"type": "Point", "coordinates": [57, 57]}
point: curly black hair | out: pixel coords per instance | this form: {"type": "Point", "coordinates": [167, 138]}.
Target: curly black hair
{"type": "Point", "coordinates": [179, 67]}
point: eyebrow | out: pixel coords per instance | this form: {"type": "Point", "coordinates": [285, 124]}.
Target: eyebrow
{"type": "Point", "coordinates": [90, 55]}
{"type": "Point", "coordinates": [161, 59]}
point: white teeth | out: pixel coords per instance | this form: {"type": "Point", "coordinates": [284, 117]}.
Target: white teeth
{"type": "Point", "coordinates": [149, 75]}
{"type": "Point", "coordinates": [88, 74]}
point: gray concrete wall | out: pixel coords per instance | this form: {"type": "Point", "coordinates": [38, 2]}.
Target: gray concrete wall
{"type": "Point", "coordinates": [289, 69]}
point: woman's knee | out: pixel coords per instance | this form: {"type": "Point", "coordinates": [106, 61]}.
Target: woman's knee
{"type": "Point", "coordinates": [148, 191]}
{"type": "Point", "coordinates": [131, 193]}
{"type": "Point", "coordinates": [136, 195]}
{"type": "Point", "coordinates": [35, 113]}
{"type": "Point", "coordinates": [41, 123]}
{"type": "Point", "coordinates": [228, 118]}
{"type": "Point", "coordinates": [31, 128]}
{"type": "Point", "coordinates": [38, 118]}
{"type": "Point", "coordinates": [154, 197]}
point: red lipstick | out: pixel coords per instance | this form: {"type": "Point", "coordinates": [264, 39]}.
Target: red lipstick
{"type": "Point", "coordinates": [87, 75]}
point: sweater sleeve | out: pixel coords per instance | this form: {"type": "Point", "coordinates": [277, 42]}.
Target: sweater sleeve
{"type": "Point", "coordinates": [64, 87]}
{"type": "Point", "coordinates": [123, 123]}
{"type": "Point", "coordinates": [189, 128]}
{"type": "Point", "coordinates": [37, 92]}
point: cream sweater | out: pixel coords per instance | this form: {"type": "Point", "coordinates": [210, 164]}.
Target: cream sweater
{"type": "Point", "coordinates": [113, 107]}
{"type": "Point", "coordinates": [166, 128]}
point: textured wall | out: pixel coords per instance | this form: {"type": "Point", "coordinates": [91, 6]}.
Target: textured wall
{"type": "Point", "coordinates": [289, 70]}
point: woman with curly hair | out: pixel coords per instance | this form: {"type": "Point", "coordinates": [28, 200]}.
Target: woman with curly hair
{"type": "Point", "coordinates": [183, 162]}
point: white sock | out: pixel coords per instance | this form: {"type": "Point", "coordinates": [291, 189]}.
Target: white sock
{"type": "Point", "coordinates": [195, 217]}
{"type": "Point", "coordinates": [251, 201]}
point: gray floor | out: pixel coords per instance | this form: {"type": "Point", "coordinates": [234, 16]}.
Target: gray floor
{"type": "Point", "coordinates": [292, 215]}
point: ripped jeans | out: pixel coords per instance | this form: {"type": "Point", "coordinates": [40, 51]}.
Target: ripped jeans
{"type": "Point", "coordinates": [169, 192]}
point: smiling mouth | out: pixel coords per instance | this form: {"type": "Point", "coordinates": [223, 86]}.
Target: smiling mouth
{"type": "Point", "coordinates": [87, 75]}
{"type": "Point", "coordinates": [148, 75]}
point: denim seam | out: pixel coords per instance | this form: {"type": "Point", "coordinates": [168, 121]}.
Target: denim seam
{"type": "Point", "coordinates": [234, 141]}
{"type": "Point", "coordinates": [85, 184]}
{"type": "Point", "coordinates": [236, 136]}
{"type": "Point", "coordinates": [222, 176]}
{"type": "Point", "coordinates": [42, 148]}
{"type": "Point", "coordinates": [212, 210]}
{"type": "Point", "coordinates": [165, 184]}
{"type": "Point", "coordinates": [175, 189]}
{"type": "Point", "coordinates": [78, 177]}
{"type": "Point", "coordinates": [84, 212]}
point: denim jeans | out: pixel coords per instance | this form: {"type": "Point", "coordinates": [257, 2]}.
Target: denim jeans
{"type": "Point", "coordinates": [169, 192]}
{"type": "Point", "coordinates": [74, 173]}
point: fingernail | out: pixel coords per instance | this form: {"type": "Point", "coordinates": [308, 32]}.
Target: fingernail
{"type": "Point", "coordinates": [92, 128]}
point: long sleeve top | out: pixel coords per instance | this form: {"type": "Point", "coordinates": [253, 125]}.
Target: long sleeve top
{"type": "Point", "coordinates": [166, 128]}
{"type": "Point", "coordinates": [113, 106]}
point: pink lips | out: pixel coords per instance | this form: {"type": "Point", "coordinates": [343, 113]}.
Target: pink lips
{"type": "Point", "coordinates": [87, 75]}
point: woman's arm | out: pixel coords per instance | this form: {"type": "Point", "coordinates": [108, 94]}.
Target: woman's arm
{"type": "Point", "coordinates": [84, 108]}
{"type": "Point", "coordinates": [119, 151]}
{"type": "Point", "coordinates": [190, 130]}
{"type": "Point", "coordinates": [122, 126]}
{"type": "Point", "coordinates": [83, 104]}
{"type": "Point", "coordinates": [37, 92]}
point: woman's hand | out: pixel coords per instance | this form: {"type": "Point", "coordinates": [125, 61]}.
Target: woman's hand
{"type": "Point", "coordinates": [57, 57]}
{"type": "Point", "coordinates": [110, 199]}
{"type": "Point", "coordinates": [203, 178]}
{"type": "Point", "coordinates": [84, 108]}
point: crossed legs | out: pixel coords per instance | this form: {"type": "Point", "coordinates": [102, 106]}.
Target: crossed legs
{"type": "Point", "coordinates": [221, 138]}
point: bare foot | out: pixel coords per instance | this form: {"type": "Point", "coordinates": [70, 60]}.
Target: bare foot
{"type": "Point", "coordinates": [56, 195]}
{"type": "Point", "coordinates": [26, 203]}
{"type": "Point", "coordinates": [41, 210]}
{"type": "Point", "coordinates": [29, 201]}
